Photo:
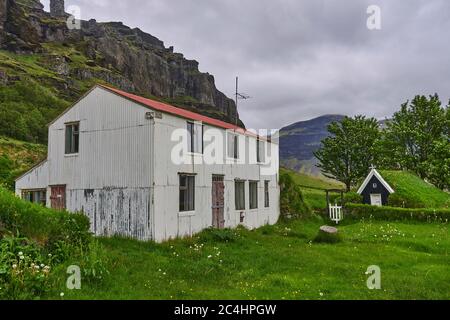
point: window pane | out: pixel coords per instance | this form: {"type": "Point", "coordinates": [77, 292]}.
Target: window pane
{"type": "Point", "coordinates": [76, 142]}
{"type": "Point", "coordinates": [72, 138]}
{"type": "Point", "coordinates": [198, 138]}
{"type": "Point", "coordinates": [187, 193]}
{"type": "Point", "coordinates": [253, 195]}
{"type": "Point", "coordinates": [191, 193]}
{"type": "Point", "coordinates": [266, 194]}
{"type": "Point", "coordinates": [260, 151]}
{"type": "Point", "coordinates": [239, 195]}
{"type": "Point", "coordinates": [68, 139]}
{"type": "Point", "coordinates": [230, 145]}
{"type": "Point", "coordinates": [190, 134]}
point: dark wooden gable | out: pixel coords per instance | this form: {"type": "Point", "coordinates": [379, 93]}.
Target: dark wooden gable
{"type": "Point", "coordinates": [375, 186]}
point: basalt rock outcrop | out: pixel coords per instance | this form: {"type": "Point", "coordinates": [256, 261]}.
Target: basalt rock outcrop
{"type": "Point", "coordinates": [108, 52]}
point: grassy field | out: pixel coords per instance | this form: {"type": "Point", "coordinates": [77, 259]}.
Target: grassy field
{"type": "Point", "coordinates": [279, 262]}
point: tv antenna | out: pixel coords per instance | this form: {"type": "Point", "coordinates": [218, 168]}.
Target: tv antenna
{"type": "Point", "coordinates": [239, 96]}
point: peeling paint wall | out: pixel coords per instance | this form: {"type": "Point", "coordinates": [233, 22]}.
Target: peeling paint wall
{"type": "Point", "coordinates": [115, 211]}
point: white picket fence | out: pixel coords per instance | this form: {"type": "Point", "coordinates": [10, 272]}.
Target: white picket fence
{"type": "Point", "coordinates": [336, 214]}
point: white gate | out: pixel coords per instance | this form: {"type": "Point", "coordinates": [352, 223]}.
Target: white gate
{"type": "Point", "coordinates": [336, 213]}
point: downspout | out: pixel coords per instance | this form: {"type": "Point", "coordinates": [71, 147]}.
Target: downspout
{"type": "Point", "coordinates": [152, 178]}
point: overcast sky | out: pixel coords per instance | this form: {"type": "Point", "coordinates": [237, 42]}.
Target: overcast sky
{"type": "Point", "coordinates": [299, 59]}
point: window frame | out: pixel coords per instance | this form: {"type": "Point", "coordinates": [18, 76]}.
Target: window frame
{"type": "Point", "coordinates": [32, 192]}
{"type": "Point", "coordinates": [253, 194]}
{"type": "Point", "coordinates": [72, 143]}
{"type": "Point", "coordinates": [188, 205]}
{"type": "Point", "coordinates": [238, 197]}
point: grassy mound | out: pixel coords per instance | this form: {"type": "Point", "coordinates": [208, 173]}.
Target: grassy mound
{"type": "Point", "coordinates": [312, 188]}
{"type": "Point", "coordinates": [292, 203]}
{"type": "Point", "coordinates": [413, 192]}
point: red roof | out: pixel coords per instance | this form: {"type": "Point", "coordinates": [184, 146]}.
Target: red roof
{"type": "Point", "coordinates": [160, 106]}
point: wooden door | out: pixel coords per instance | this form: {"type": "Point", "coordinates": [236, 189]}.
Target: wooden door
{"type": "Point", "coordinates": [58, 197]}
{"type": "Point", "coordinates": [375, 200]}
{"type": "Point", "coordinates": [218, 202]}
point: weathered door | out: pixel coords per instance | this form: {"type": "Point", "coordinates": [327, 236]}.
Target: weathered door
{"type": "Point", "coordinates": [218, 202]}
{"type": "Point", "coordinates": [58, 197]}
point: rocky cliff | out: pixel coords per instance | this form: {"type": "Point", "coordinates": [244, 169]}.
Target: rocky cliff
{"type": "Point", "coordinates": [71, 60]}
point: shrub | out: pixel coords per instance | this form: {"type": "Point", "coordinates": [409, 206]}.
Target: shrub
{"type": "Point", "coordinates": [399, 201]}
{"type": "Point", "coordinates": [94, 262]}
{"type": "Point", "coordinates": [24, 269]}
{"type": "Point", "coordinates": [358, 211]}
{"type": "Point", "coordinates": [44, 225]}
{"type": "Point", "coordinates": [292, 203]}
{"type": "Point", "coordinates": [352, 197]}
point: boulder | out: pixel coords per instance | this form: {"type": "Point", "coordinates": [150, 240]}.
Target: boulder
{"type": "Point", "coordinates": [328, 234]}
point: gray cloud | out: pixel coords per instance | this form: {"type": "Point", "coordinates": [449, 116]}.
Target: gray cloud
{"type": "Point", "coordinates": [301, 58]}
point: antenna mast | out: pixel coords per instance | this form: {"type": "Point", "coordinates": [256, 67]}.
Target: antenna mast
{"type": "Point", "coordinates": [239, 96]}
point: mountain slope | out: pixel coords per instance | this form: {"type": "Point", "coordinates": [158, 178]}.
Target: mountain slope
{"type": "Point", "coordinates": [38, 53]}
{"type": "Point", "coordinates": [16, 157]}
{"type": "Point", "coordinates": [300, 140]}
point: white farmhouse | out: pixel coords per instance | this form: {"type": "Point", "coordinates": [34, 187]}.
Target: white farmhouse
{"type": "Point", "coordinates": [144, 169]}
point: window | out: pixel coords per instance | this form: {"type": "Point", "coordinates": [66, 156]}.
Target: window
{"type": "Point", "coordinates": [35, 196]}
{"type": "Point", "coordinates": [260, 151]}
{"type": "Point", "coordinates": [375, 185]}
{"type": "Point", "coordinates": [239, 194]}
{"type": "Point", "coordinates": [233, 146]}
{"type": "Point", "coordinates": [195, 137]}
{"type": "Point", "coordinates": [253, 186]}
{"type": "Point", "coordinates": [266, 194]}
{"type": "Point", "coordinates": [187, 193]}
{"type": "Point", "coordinates": [72, 138]}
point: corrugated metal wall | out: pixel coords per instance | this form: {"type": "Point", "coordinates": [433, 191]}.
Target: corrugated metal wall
{"type": "Point", "coordinates": [110, 178]}
{"type": "Point", "coordinates": [129, 186]}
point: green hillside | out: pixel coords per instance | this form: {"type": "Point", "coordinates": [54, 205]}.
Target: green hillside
{"type": "Point", "coordinates": [413, 192]}
{"type": "Point", "coordinates": [313, 188]}
{"type": "Point", "coordinates": [16, 157]}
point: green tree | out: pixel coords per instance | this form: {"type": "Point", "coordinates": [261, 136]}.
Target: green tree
{"type": "Point", "coordinates": [439, 164]}
{"type": "Point", "coordinates": [411, 136]}
{"type": "Point", "coordinates": [350, 149]}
